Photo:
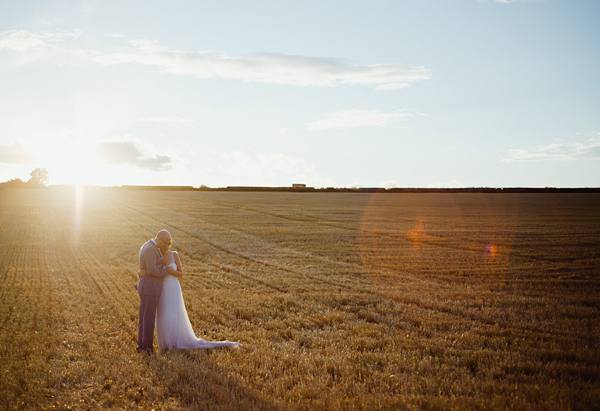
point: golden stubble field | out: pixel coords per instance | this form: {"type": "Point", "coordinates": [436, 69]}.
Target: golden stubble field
{"type": "Point", "coordinates": [341, 300]}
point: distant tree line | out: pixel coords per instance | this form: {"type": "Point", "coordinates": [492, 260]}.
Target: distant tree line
{"type": "Point", "coordinates": [373, 189]}
{"type": "Point", "coordinates": [40, 177]}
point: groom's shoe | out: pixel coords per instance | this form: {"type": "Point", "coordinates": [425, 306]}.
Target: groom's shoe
{"type": "Point", "coordinates": [145, 350]}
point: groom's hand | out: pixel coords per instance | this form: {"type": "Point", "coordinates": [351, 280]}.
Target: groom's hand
{"type": "Point", "coordinates": [142, 272]}
{"type": "Point", "coordinates": [175, 273]}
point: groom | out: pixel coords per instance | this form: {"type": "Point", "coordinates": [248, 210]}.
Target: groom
{"type": "Point", "coordinates": [149, 286]}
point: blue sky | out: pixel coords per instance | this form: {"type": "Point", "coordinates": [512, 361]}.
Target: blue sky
{"type": "Point", "coordinates": [356, 93]}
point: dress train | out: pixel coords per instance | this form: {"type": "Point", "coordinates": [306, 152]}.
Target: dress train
{"type": "Point", "coordinates": [173, 327]}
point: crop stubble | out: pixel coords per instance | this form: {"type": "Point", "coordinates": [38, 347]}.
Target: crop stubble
{"type": "Point", "coordinates": [341, 300]}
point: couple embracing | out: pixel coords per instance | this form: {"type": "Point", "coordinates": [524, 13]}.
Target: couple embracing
{"type": "Point", "coordinates": [161, 300]}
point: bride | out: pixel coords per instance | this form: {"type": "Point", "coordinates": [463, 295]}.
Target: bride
{"type": "Point", "coordinates": [173, 327]}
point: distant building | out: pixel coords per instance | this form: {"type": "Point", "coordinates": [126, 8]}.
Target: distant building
{"type": "Point", "coordinates": [298, 185]}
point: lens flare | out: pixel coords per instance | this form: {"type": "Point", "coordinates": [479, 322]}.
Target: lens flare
{"type": "Point", "coordinates": [417, 246]}
{"type": "Point", "coordinates": [78, 209]}
{"type": "Point", "coordinates": [416, 235]}
{"type": "Point", "coordinates": [491, 250]}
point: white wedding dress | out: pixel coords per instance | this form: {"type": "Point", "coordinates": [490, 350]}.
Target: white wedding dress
{"type": "Point", "coordinates": [173, 327]}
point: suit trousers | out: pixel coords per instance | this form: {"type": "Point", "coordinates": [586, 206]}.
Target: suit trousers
{"type": "Point", "coordinates": [148, 304]}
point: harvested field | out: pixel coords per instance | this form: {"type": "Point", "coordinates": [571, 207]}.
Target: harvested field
{"type": "Point", "coordinates": [341, 300]}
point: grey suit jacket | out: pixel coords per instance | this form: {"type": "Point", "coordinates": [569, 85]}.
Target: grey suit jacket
{"type": "Point", "coordinates": [151, 260]}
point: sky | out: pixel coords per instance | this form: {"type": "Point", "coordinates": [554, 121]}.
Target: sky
{"type": "Point", "coordinates": [353, 93]}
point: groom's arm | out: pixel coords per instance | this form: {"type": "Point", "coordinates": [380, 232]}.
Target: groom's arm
{"type": "Point", "coordinates": [142, 272]}
{"type": "Point", "coordinates": [154, 269]}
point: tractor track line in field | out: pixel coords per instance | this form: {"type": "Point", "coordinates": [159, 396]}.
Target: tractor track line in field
{"type": "Point", "coordinates": [355, 267]}
{"type": "Point", "coordinates": [432, 239]}
{"type": "Point", "coordinates": [246, 257]}
{"type": "Point", "coordinates": [228, 270]}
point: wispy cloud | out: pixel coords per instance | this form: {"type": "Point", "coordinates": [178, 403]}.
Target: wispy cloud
{"type": "Point", "coordinates": [24, 47]}
{"type": "Point", "coordinates": [132, 152]}
{"type": "Point", "coordinates": [357, 118]}
{"type": "Point", "coordinates": [16, 154]}
{"type": "Point", "coordinates": [267, 67]}
{"type": "Point", "coordinates": [558, 152]}
{"type": "Point", "coordinates": [22, 40]}
{"type": "Point", "coordinates": [272, 68]}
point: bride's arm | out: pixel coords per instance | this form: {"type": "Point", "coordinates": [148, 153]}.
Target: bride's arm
{"type": "Point", "coordinates": [178, 262]}
{"type": "Point", "coordinates": [176, 273]}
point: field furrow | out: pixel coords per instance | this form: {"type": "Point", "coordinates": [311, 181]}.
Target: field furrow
{"type": "Point", "coordinates": [251, 249]}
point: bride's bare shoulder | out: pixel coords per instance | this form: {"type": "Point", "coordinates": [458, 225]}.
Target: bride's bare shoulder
{"type": "Point", "coordinates": [171, 255]}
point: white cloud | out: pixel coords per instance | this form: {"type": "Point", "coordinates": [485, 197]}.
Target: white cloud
{"type": "Point", "coordinates": [22, 40]}
{"type": "Point", "coordinates": [558, 152]}
{"type": "Point", "coordinates": [357, 118]}
{"type": "Point", "coordinates": [267, 67]}
{"type": "Point", "coordinates": [16, 154]}
{"type": "Point", "coordinates": [27, 47]}
{"type": "Point", "coordinates": [270, 68]}
{"type": "Point", "coordinates": [134, 153]}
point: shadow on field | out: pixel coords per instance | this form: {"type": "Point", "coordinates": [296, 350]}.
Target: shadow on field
{"type": "Point", "coordinates": [193, 379]}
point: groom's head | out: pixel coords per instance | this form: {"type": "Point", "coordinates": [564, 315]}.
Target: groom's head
{"type": "Point", "coordinates": [163, 240]}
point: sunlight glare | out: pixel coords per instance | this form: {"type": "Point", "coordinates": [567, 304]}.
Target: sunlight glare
{"type": "Point", "coordinates": [79, 193]}
{"type": "Point", "coordinates": [71, 160]}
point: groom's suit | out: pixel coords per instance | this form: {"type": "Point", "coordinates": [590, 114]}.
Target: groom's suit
{"type": "Point", "coordinates": [149, 288]}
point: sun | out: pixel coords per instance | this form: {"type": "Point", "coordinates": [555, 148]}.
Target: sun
{"type": "Point", "coordinates": [72, 160]}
